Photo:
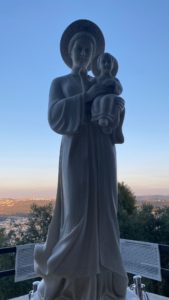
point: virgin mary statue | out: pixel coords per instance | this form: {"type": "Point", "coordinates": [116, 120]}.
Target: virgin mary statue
{"type": "Point", "coordinates": [81, 259]}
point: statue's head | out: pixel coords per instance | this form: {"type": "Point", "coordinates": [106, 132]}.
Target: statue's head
{"type": "Point", "coordinates": [80, 43]}
{"type": "Point", "coordinates": [82, 48]}
{"type": "Point", "coordinates": [105, 64]}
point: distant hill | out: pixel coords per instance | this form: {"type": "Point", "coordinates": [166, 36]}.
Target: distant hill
{"type": "Point", "coordinates": [11, 207]}
{"type": "Point", "coordinates": [153, 198]}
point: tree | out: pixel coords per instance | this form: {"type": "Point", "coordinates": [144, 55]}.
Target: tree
{"type": "Point", "coordinates": [126, 199]}
{"type": "Point", "coordinates": [126, 210]}
{"type": "Point", "coordinates": [35, 231]}
{"type": "Point", "coordinates": [3, 237]}
{"type": "Point", "coordinates": [36, 227]}
{"type": "Point", "coordinates": [38, 222]}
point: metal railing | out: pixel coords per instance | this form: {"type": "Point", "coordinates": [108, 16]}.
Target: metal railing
{"type": "Point", "coordinates": [7, 250]}
{"type": "Point", "coordinates": [163, 249]}
{"type": "Point", "coordinates": [138, 288]}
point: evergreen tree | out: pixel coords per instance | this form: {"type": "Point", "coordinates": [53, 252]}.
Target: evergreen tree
{"type": "Point", "coordinates": [36, 227]}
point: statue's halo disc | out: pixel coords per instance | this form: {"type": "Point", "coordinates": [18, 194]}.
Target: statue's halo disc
{"type": "Point", "coordinates": [77, 27]}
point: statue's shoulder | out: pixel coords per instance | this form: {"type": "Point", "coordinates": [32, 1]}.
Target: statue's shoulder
{"type": "Point", "coordinates": [58, 83]}
{"type": "Point", "coordinates": [61, 79]}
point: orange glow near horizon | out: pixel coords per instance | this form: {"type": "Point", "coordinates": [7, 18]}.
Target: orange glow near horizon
{"type": "Point", "coordinates": [49, 191]}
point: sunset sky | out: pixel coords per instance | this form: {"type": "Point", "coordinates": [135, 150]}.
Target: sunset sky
{"type": "Point", "coordinates": [137, 34]}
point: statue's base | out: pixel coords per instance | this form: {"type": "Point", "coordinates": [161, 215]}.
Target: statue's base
{"type": "Point", "coordinates": [130, 296]}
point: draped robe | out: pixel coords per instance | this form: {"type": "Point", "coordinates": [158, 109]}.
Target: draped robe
{"type": "Point", "coordinates": [83, 237]}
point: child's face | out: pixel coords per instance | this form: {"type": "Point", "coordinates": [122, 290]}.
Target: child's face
{"type": "Point", "coordinates": [106, 63]}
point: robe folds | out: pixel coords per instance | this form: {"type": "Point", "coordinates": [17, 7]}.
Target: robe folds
{"type": "Point", "coordinates": [83, 237]}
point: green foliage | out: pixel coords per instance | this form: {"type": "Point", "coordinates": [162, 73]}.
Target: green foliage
{"type": "Point", "coordinates": [126, 210]}
{"type": "Point", "coordinates": [38, 222]}
{"type": "Point", "coordinates": [36, 231]}
{"type": "Point", "coordinates": [3, 237]}
{"type": "Point", "coordinates": [126, 199]}
{"type": "Point", "coordinates": [36, 227]}
{"type": "Point", "coordinates": [9, 289]}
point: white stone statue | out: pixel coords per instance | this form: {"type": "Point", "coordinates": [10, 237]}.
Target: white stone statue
{"type": "Point", "coordinates": [81, 258]}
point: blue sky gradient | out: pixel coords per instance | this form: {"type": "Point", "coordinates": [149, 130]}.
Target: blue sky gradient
{"type": "Point", "coordinates": [137, 34]}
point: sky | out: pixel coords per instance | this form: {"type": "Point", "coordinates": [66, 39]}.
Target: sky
{"type": "Point", "coordinates": [137, 34]}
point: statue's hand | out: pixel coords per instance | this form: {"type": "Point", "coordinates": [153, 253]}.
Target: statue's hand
{"type": "Point", "coordinates": [82, 73]}
{"type": "Point", "coordinates": [97, 90]}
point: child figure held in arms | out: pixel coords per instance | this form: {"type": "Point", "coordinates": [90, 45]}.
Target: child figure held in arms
{"type": "Point", "coordinates": [105, 108]}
